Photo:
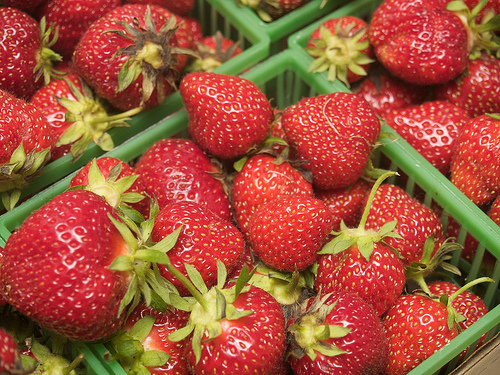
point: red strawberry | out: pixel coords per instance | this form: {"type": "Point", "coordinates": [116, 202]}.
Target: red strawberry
{"type": "Point", "coordinates": [138, 45]}
{"type": "Point", "coordinates": [269, 10]}
{"type": "Point", "coordinates": [358, 260]}
{"type": "Point", "coordinates": [148, 330]}
{"type": "Point", "coordinates": [203, 239]}
{"type": "Point", "coordinates": [476, 90]}
{"type": "Point", "coordinates": [264, 178]}
{"type": "Point", "coordinates": [341, 46]}
{"type": "Point", "coordinates": [180, 7]}
{"type": "Point", "coordinates": [346, 204]}
{"type": "Point", "coordinates": [176, 169]}
{"type": "Point", "coordinates": [432, 128]}
{"type": "Point", "coordinates": [340, 334]}
{"type": "Point", "coordinates": [420, 41]}
{"type": "Point", "coordinates": [25, 61]}
{"type": "Point", "coordinates": [55, 267]}
{"type": "Point", "coordinates": [26, 5]}
{"type": "Point", "coordinates": [474, 167]}
{"type": "Point", "coordinates": [10, 357]}
{"type": "Point", "coordinates": [334, 135]}
{"type": "Point", "coordinates": [227, 114]}
{"type": "Point", "coordinates": [73, 17]}
{"type": "Point", "coordinates": [286, 233]}
{"type": "Point", "coordinates": [213, 51]}
{"type": "Point", "coordinates": [26, 141]}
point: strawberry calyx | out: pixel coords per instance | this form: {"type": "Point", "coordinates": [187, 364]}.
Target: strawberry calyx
{"type": "Point", "coordinates": [46, 56]}
{"type": "Point", "coordinates": [90, 121]}
{"type": "Point", "coordinates": [339, 53]}
{"type": "Point", "coordinates": [363, 238]}
{"type": "Point", "coordinates": [150, 55]}
{"type": "Point", "coordinates": [21, 169]}
{"type": "Point", "coordinates": [49, 362]}
{"type": "Point", "coordinates": [310, 331]}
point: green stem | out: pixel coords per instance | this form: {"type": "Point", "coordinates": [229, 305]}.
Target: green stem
{"type": "Point", "coordinates": [469, 285]}
{"type": "Point", "coordinates": [118, 116]}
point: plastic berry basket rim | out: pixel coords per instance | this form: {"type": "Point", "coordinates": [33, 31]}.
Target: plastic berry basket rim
{"type": "Point", "coordinates": [437, 187]}
{"type": "Point", "coordinates": [253, 54]}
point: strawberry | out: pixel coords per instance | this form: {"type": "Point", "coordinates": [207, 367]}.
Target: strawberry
{"type": "Point", "coordinates": [346, 204]}
{"type": "Point", "coordinates": [26, 143]}
{"type": "Point", "coordinates": [72, 18]}
{"type": "Point", "coordinates": [26, 58]}
{"type": "Point", "coordinates": [385, 92]}
{"type": "Point", "coordinates": [333, 134]}
{"type": "Point", "coordinates": [262, 179]}
{"type": "Point", "coordinates": [148, 329]}
{"type": "Point", "coordinates": [176, 169]}
{"type": "Point", "coordinates": [432, 128]}
{"type": "Point", "coordinates": [359, 260]}
{"type": "Point", "coordinates": [286, 233]}
{"type": "Point", "coordinates": [180, 7]}
{"type": "Point", "coordinates": [422, 42]}
{"type": "Point", "coordinates": [269, 10]}
{"type": "Point", "coordinates": [213, 51]}
{"type": "Point", "coordinates": [476, 90]}
{"type": "Point", "coordinates": [26, 5]}
{"type": "Point", "coordinates": [138, 45]}
{"type": "Point", "coordinates": [76, 116]}
{"type": "Point", "coordinates": [341, 47]}
{"type": "Point", "coordinates": [64, 250]}
{"type": "Point", "coordinates": [203, 239]}
{"type": "Point", "coordinates": [10, 357]}
{"type": "Point", "coordinates": [474, 166]}
{"type": "Point", "coordinates": [228, 115]}
{"type": "Point", "coordinates": [339, 333]}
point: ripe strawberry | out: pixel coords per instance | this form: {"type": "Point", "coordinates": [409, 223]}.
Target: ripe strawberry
{"type": "Point", "coordinates": [138, 45]}
{"type": "Point", "coordinates": [148, 330]}
{"type": "Point", "coordinates": [213, 51]}
{"type": "Point", "coordinates": [269, 10]}
{"type": "Point", "coordinates": [421, 42]}
{"type": "Point", "coordinates": [72, 18]}
{"type": "Point", "coordinates": [334, 135]}
{"type": "Point", "coordinates": [55, 267]}
{"type": "Point", "coordinates": [10, 357]}
{"type": "Point", "coordinates": [25, 61]}
{"type": "Point", "coordinates": [227, 114]}
{"type": "Point", "coordinates": [474, 166]}
{"type": "Point", "coordinates": [262, 179]}
{"type": "Point", "coordinates": [379, 275]}
{"type": "Point", "coordinates": [476, 90]}
{"type": "Point", "coordinates": [176, 169]}
{"type": "Point", "coordinates": [26, 141]}
{"type": "Point", "coordinates": [76, 116]}
{"type": "Point", "coordinates": [180, 7]}
{"type": "Point", "coordinates": [432, 128]}
{"type": "Point", "coordinates": [339, 334]}
{"type": "Point", "coordinates": [26, 5]}
{"type": "Point", "coordinates": [346, 204]}
{"type": "Point", "coordinates": [341, 46]}
{"type": "Point", "coordinates": [203, 239]}
{"type": "Point", "coordinates": [286, 233]}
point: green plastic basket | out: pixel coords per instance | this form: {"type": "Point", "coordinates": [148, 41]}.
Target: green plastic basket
{"type": "Point", "coordinates": [285, 80]}
{"type": "Point", "coordinates": [212, 16]}
{"type": "Point", "coordinates": [280, 29]}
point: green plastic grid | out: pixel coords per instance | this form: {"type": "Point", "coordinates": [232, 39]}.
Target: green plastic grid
{"type": "Point", "coordinates": [286, 80]}
{"type": "Point", "coordinates": [212, 17]}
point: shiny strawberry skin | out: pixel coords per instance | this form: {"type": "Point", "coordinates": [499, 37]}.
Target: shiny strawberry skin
{"type": "Point", "coordinates": [419, 41]}
{"type": "Point", "coordinates": [286, 233]}
{"type": "Point", "coordinates": [477, 89]}
{"type": "Point", "coordinates": [10, 357]}
{"type": "Point", "coordinates": [55, 267]}
{"type": "Point", "coordinates": [416, 327]}
{"type": "Point", "coordinates": [334, 135]}
{"type": "Point", "coordinates": [21, 45]}
{"type": "Point", "coordinates": [262, 180]}
{"type": "Point", "coordinates": [204, 239]}
{"type": "Point", "coordinates": [254, 344]}
{"type": "Point", "coordinates": [475, 167]}
{"type": "Point", "coordinates": [227, 114]}
{"type": "Point", "coordinates": [431, 128]}
{"type": "Point", "coordinates": [73, 17]}
{"type": "Point", "coordinates": [176, 169]}
{"type": "Point", "coordinates": [180, 7]}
